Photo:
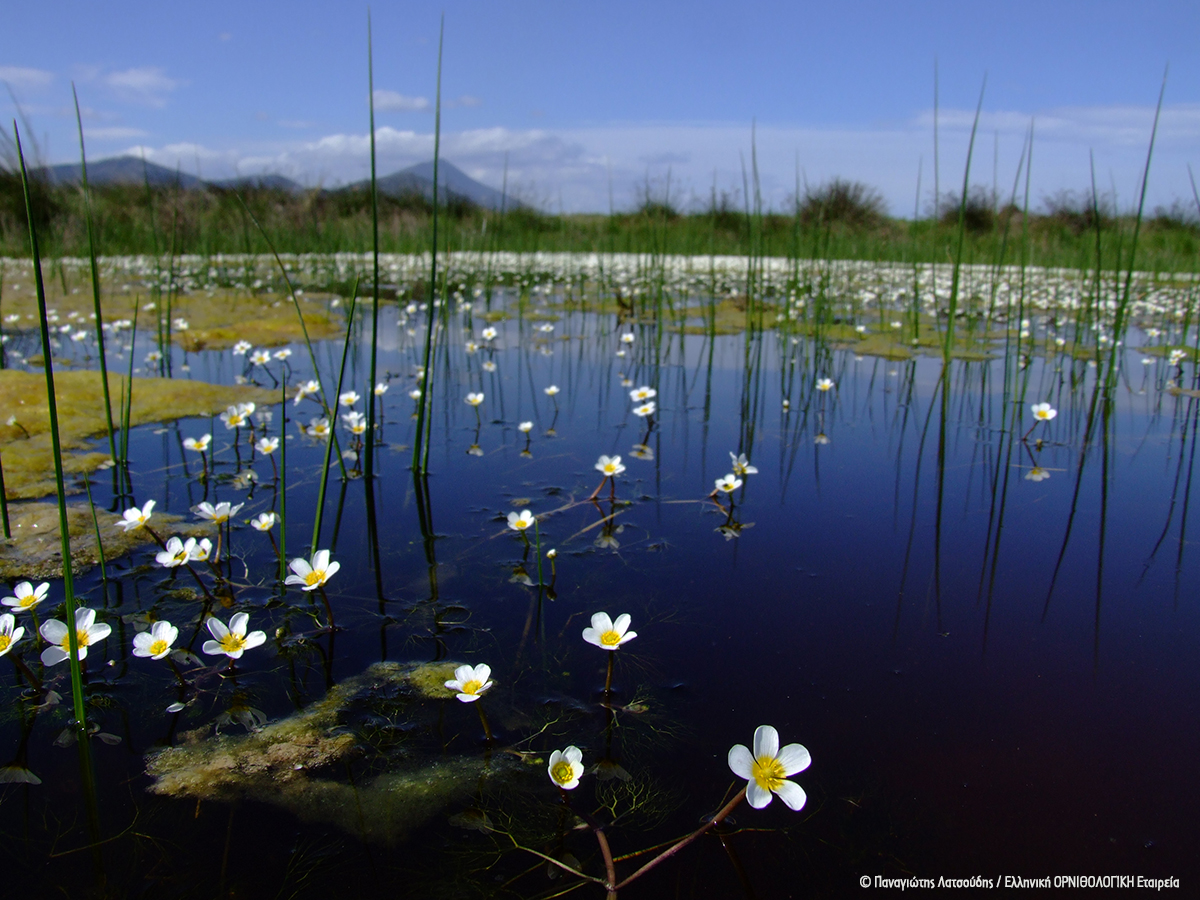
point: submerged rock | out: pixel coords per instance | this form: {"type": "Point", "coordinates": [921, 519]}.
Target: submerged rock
{"type": "Point", "coordinates": [303, 763]}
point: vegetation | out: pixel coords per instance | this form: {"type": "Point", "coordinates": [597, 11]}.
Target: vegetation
{"type": "Point", "coordinates": [838, 219]}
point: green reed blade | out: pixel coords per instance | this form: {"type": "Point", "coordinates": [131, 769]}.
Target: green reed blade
{"type": "Point", "coordinates": [52, 406]}
{"type": "Point", "coordinates": [370, 456]}
{"type": "Point", "coordinates": [330, 442]}
{"type": "Point", "coordinates": [420, 463]}
{"type": "Point", "coordinates": [948, 338]}
{"type": "Point", "coordinates": [91, 235]}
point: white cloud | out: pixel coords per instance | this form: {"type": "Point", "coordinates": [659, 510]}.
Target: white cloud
{"type": "Point", "coordinates": [390, 101]}
{"type": "Point", "coordinates": [115, 133]}
{"type": "Point", "coordinates": [22, 77]}
{"type": "Point", "coordinates": [573, 166]}
{"type": "Point", "coordinates": [146, 85]}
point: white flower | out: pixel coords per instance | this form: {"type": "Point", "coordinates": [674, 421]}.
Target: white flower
{"type": "Point", "coordinates": [200, 550]}
{"type": "Point", "coordinates": [381, 389]}
{"type": "Point", "coordinates": [306, 388]}
{"type": "Point", "coordinates": [260, 357]}
{"type": "Point", "coordinates": [318, 427]}
{"type": "Point", "coordinates": [356, 422]}
{"type": "Point", "coordinates": [489, 366]}
{"type": "Point", "coordinates": [646, 409]}
{"type": "Point", "coordinates": [488, 334]}
{"type": "Point", "coordinates": [821, 439]}
{"type": "Point", "coordinates": [550, 391]}
{"type": "Point", "coordinates": [232, 641]}
{"type": "Point", "coordinates": [627, 338]}
{"type": "Point", "coordinates": [741, 465]}
{"type": "Point", "coordinates": [525, 427]}
{"type": "Point", "coordinates": [267, 446]}
{"type": "Point", "coordinates": [155, 643]}
{"type": "Point", "coordinates": [607, 634]}
{"type": "Point", "coordinates": [241, 348]}
{"type": "Point", "coordinates": [1043, 412]}
{"type": "Point", "coordinates": [768, 767]}
{"type": "Point", "coordinates": [642, 393]}
{"type": "Point", "coordinates": [824, 384]}
{"type": "Point", "coordinates": [729, 483]}
{"type": "Point", "coordinates": [218, 514]}
{"type": "Point", "coordinates": [237, 416]}
{"type": "Point", "coordinates": [87, 633]}
{"type": "Point", "coordinates": [610, 465]}
{"type": "Point", "coordinates": [134, 518]}
{"type": "Point", "coordinates": [474, 399]}
{"type": "Point", "coordinates": [200, 444]}
{"type": "Point", "coordinates": [312, 575]}
{"type": "Point", "coordinates": [415, 393]}
{"type": "Point", "coordinates": [177, 552]}
{"type": "Point", "coordinates": [26, 596]}
{"type": "Point", "coordinates": [349, 398]}
{"type": "Point", "coordinates": [551, 553]}
{"type": "Point", "coordinates": [470, 682]}
{"type": "Point", "coordinates": [521, 521]}
{"type": "Point", "coordinates": [566, 767]}
{"type": "Point", "coordinates": [1037, 473]}
{"type": "Point", "coordinates": [263, 521]}
{"type": "Point", "coordinates": [10, 633]}
{"type": "Point", "coordinates": [283, 354]}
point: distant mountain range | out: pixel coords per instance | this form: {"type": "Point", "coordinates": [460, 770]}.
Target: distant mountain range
{"type": "Point", "coordinates": [418, 179]}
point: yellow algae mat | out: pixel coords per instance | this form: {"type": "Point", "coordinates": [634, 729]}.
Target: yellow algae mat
{"type": "Point", "coordinates": [25, 449]}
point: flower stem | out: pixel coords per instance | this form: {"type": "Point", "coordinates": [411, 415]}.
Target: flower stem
{"type": "Point", "coordinates": [328, 607]}
{"type": "Point", "coordinates": [679, 845]}
{"type": "Point", "coordinates": [487, 729]}
{"type": "Point", "coordinates": [608, 678]}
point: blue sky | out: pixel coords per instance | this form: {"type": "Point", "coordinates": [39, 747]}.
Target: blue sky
{"type": "Point", "coordinates": [578, 96]}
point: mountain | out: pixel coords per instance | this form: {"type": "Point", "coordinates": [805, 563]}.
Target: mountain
{"type": "Point", "coordinates": [263, 182]}
{"type": "Point", "coordinates": [418, 179]}
{"type": "Point", "coordinates": [452, 182]}
{"type": "Point", "coordinates": [121, 170]}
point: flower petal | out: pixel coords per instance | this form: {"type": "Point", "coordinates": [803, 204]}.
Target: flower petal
{"type": "Point", "coordinates": [740, 761]}
{"type": "Point", "coordinates": [756, 796]}
{"type": "Point", "coordinates": [254, 639]}
{"type": "Point", "coordinates": [238, 622]}
{"type": "Point", "coordinates": [766, 741]}
{"type": "Point", "coordinates": [794, 758]}
{"type": "Point", "coordinates": [792, 794]}
{"type": "Point", "coordinates": [622, 623]}
{"type": "Point", "coordinates": [601, 622]}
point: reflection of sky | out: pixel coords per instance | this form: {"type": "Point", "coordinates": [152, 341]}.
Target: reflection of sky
{"type": "Point", "coordinates": [1018, 732]}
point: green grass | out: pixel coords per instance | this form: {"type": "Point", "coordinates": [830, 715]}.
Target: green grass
{"type": "Point", "coordinates": [128, 220]}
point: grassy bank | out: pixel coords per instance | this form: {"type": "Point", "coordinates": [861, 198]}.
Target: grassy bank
{"type": "Point", "coordinates": [139, 220]}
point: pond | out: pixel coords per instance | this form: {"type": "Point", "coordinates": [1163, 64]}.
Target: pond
{"type": "Point", "coordinates": [980, 621]}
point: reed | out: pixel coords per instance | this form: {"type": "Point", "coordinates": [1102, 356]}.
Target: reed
{"type": "Point", "coordinates": [76, 668]}
{"type": "Point", "coordinates": [370, 454]}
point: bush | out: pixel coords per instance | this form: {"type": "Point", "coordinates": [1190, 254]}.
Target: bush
{"type": "Point", "coordinates": [851, 204]}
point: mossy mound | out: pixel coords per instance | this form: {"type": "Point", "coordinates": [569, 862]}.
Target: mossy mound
{"type": "Point", "coordinates": [25, 448]}
{"type": "Point", "coordinates": [35, 550]}
{"type": "Point", "coordinates": [295, 763]}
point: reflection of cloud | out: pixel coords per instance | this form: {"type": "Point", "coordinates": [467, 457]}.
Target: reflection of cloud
{"type": "Point", "coordinates": [464, 100]}
{"type": "Point", "coordinates": [390, 101]}
{"type": "Point", "coordinates": [147, 85]}
{"type": "Point", "coordinates": [22, 77]}
{"type": "Point", "coordinates": [573, 166]}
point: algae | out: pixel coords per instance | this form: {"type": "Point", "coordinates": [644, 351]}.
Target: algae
{"type": "Point", "coordinates": [292, 763]}
{"type": "Point", "coordinates": [35, 551]}
{"type": "Point", "coordinates": [215, 319]}
{"type": "Point", "coordinates": [25, 448]}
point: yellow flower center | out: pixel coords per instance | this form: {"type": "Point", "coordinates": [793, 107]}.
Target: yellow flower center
{"type": "Point", "coordinates": [472, 687]}
{"type": "Point", "coordinates": [520, 524]}
{"type": "Point", "coordinates": [767, 772]}
{"type": "Point", "coordinates": [28, 601]}
{"type": "Point", "coordinates": [157, 647]}
{"type": "Point", "coordinates": [232, 643]}
{"type": "Point", "coordinates": [609, 468]}
{"type": "Point", "coordinates": [80, 636]}
{"type": "Point", "coordinates": [5, 642]}
{"type": "Point", "coordinates": [180, 557]}
{"type": "Point", "coordinates": [610, 639]}
{"type": "Point", "coordinates": [315, 577]}
{"type": "Point", "coordinates": [563, 773]}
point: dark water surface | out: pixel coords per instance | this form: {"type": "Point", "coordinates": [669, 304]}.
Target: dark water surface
{"type": "Point", "coordinates": [994, 675]}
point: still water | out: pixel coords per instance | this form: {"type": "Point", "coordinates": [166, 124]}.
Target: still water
{"type": "Point", "coordinates": [987, 645]}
